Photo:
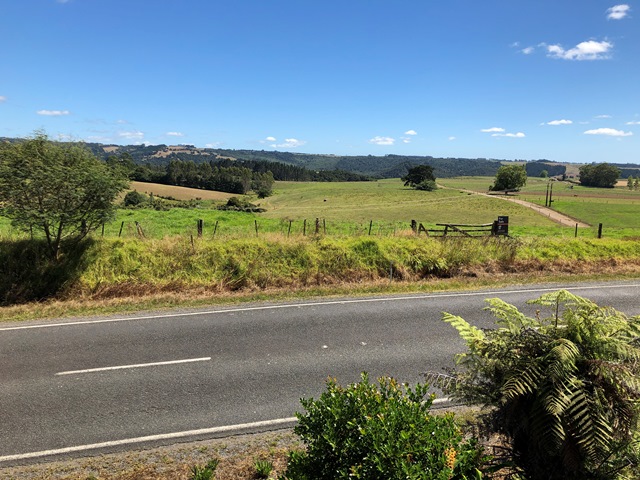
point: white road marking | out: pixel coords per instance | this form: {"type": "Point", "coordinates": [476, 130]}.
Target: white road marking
{"type": "Point", "coordinates": [150, 438]}
{"type": "Point", "coordinates": [139, 365]}
{"type": "Point", "coordinates": [166, 436]}
{"type": "Point", "coordinates": [313, 304]}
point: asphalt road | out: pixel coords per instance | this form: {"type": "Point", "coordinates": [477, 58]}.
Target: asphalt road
{"type": "Point", "coordinates": [80, 386]}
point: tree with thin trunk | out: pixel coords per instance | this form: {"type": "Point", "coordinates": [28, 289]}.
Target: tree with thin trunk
{"type": "Point", "coordinates": [59, 191]}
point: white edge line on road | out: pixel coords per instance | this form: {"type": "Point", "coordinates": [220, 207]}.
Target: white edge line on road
{"type": "Point", "coordinates": [166, 436]}
{"type": "Point", "coordinates": [150, 438]}
{"type": "Point", "coordinates": [139, 365]}
{"type": "Point", "coordinates": [312, 304]}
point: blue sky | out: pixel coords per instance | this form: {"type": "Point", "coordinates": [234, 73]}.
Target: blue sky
{"type": "Point", "coordinates": [508, 79]}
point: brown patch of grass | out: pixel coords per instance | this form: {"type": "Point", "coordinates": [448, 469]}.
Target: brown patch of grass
{"type": "Point", "coordinates": [236, 454]}
{"type": "Point", "coordinates": [179, 193]}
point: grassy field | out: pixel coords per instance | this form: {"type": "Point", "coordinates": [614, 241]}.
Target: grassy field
{"type": "Point", "coordinates": [616, 208]}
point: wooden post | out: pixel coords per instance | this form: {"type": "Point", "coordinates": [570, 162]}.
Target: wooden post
{"type": "Point", "coordinates": [256, 224]}
{"type": "Point", "coordinates": [414, 226]}
{"type": "Point", "coordinates": [215, 228]}
{"type": "Point", "coordinates": [289, 231]}
{"type": "Point", "coordinates": [200, 225]}
{"type": "Point", "coordinates": [121, 227]}
{"type": "Point", "coordinates": [193, 245]}
{"type": "Point", "coordinates": [317, 226]}
{"type": "Point", "coordinates": [600, 230]}
{"type": "Point", "coordinates": [304, 227]}
{"type": "Point", "coordinates": [103, 229]}
{"type": "Point", "coordinates": [324, 226]}
{"type": "Point", "coordinates": [370, 226]}
{"type": "Point", "coordinates": [576, 230]}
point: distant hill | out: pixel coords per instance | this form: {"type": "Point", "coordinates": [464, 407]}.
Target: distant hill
{"type": "Point", "coordinates": [387, 166]}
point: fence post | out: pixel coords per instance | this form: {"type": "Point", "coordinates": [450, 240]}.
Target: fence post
{"type": "Point", "coordinates": [200, 225]}
{"type": "Point", "coordinates": [317, 226]}
{"type": "Point", "coordinates": [576, 230]}
{"type": "Point", "coordinates": [370, 226]}
{"type": "Point", "coordinates": [256, 224]}
{"type": "Point", "coordinates": [324, 226]}
{"type": "Point", "coordinates": [600, 230]}
{"type": "Point", "coordinates": [121, 227]}
{"type": "Point", "coordinates": [304, 228]}
{"type": "Point", "coordinates": [414, 226]}
{"type": "Point", "coordinates": [289, 231]}
{"type": "Point", "coordinates": [215, 228]}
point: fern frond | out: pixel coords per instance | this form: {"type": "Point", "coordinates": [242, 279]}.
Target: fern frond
{"type": "Point", "coordinates": [468, 332]}
{"type": "Point", "coordinates": [508, 316]}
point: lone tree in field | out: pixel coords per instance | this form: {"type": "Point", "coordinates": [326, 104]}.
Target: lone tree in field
{"type": "Point", "coordinates": [510, 177]}
{"type": "Point", "coordinates": [601, 175]}
{"type": "Point", "coordinates": [420, 177]}
{"type": "Point", "coordinates": [60, 191]}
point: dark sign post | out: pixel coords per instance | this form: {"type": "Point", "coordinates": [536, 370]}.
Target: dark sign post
{"type": "Point", "coordinates": [501, 226]}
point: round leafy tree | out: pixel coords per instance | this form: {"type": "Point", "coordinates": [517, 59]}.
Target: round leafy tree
{"type": "Point", "coordinates": [57, 190]}
{"type": "Point", "coordinates": [510, 177]}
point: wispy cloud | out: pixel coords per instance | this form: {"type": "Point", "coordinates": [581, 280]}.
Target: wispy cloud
{"type": "Point", "coordinates": [452, 138]}
{"type": "Point", "coordinates": [509, 135]}
{"type": "Point", "coordinates": [560, 122]}
{"type": "Point", "coordinates": [270, 139]}
{"type": "Point", "coordinates": [492, 129]}
{"type": "Point", "coordinates": [633, 123]}
{"type": "Point", "coordinates": [3, 99]}
{"type": "Point", "coordinates": [174, 134]}
{"type": "Point", "coordinates": [53, 113]}
{"type": "Point", "coordinates": [289, 143]}
{"type": "Point", "coordinates": [131, 135]}
{"type": "Point", "coordinates": [212, 145]}
{"type": "Point", "coordinates": [410, 132]}
{"type": "Point", "coordinates": [603, 116]}
{"type": "Point", "coordinates": [618, 12]}
{"type": "Point", "coordinates": [589, 50]}
{"type": "Point", "coordinates": [528, 50]}
{"type": "Point", "coordinates": [610, 132]}
{"type": "Point", "coordinates": [382, 140]}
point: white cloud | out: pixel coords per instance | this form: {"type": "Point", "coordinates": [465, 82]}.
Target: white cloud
{"type": "Point", "coordinates": [121, 122]}
{"type": "Point", "coordinates": [589, 50]}
{"type": "Point", "coordinates": [132, 135]}
{"type": "Point", "coordinates": [270, 139]}
{"type": "Point", "coordinates": [3, 99]}
{"type": "Point", "coordinates": [510, 135]}
{"type": "Point", "coordinates": [633, 123]}
{"type": "Point", "coordinates": [560, 122]}
{"type": "Point", "coordinates": [603, 116]}
{"type": "Point", "coordinates": [528, 50]}
{"type": "Point", "coordinates": [290, 143]}
{"type": "Point", "coordinates": [382, 140]}
{"type": "Point", "coordinates": [492, 129]}
{"type": "Point", "coordinates": [410, 132]}
{"type": "Point", "coordinates": [452, 138]}
{"type": "Point", "coordinates": [610, 132]}
{"type": "Point", "coordinates": [618, 12]}
{"type": "Point", "coordinates": [53, 113]}
{"type": "Point", "coordinates": [174, 134]}
{"type": "Point", "coordinates": [406, 139]}
{"type": "Point", "coordinates": [212, 145]}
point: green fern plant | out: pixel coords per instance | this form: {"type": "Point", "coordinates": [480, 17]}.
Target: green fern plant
{"type": "Point", "coordinates": [564, 389]}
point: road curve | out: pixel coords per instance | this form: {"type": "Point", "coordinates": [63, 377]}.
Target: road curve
{"type": "Point", "coordinates": [97, 384]}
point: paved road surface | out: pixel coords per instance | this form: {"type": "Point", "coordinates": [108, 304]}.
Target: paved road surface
{"type": "Point", "coordinates": [67, 384]}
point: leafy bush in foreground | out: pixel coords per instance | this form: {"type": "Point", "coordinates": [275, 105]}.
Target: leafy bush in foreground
{"type": "Point", "coordinates": [565, 389]}
{"type": "Point", "coordinates": [380, 432]}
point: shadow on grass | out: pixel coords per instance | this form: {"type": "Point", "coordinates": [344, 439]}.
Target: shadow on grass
{"type": "Point", "coordinates": [28, 274]}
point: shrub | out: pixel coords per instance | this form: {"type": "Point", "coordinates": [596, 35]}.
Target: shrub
{"type": "Point", "coordinates": [565, 389]}
{"type": "Point", "coordinates": [206, 472]}
{"type": "Point", "coordinates": [134, 199]}
{"type": "Point", "coordinates": [263, 468]}
{"type": "Point", "coordinates": [427, 185]}
{"type": "Point", "coordinates": [380, 432]}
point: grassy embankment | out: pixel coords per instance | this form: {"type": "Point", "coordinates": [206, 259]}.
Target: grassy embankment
{"type": "Point", "coordinates": [168, 267]}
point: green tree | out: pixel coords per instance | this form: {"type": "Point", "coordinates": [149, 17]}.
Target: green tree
{"type": "Point", "coordinates": [601, 175]}
{"type": "Point", "coordinates": [630, 182]}
{"type": "Point", "coordinates": [58, 190]}
{"type": "Point", "coordinates": [636, 183]}
{"type": "Point", "coordinates": [565, 389]}
{"type": "Point", "coordinates": [417, 175]}
{"type": "Point", "coordinates": [510, 177]}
